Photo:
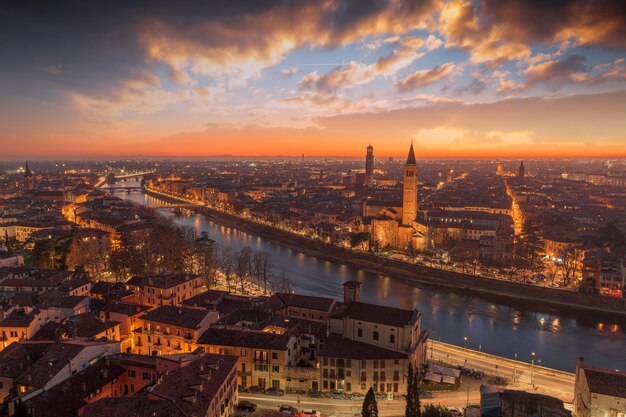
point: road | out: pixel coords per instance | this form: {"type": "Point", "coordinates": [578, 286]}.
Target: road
{"type": "Point", "coordinates": [547, 381]}
{"type": "Point", "coordinates": [329, 407]}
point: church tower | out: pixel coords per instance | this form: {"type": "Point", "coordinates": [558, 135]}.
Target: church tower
{"type": "Point", "coordinates": [409, 193]}
{"type": "Point", "coordinates": [29, 178]}
{"type": "Point", "coordinates": [369, 166]}
{"type": "Point", "coordinates": [521, 173]}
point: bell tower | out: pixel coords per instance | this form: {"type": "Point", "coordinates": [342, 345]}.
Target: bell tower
{"type": "Point", "coordinates": [409, 192]}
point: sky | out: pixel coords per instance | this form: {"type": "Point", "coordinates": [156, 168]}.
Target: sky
{"type": "Point", "coordinates": [459, 78]}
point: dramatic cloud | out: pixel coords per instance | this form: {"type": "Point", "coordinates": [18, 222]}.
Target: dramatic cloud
{"type": "Point", "coordinates": [425, 77]}
{"type": "Point", "coordinates": [79, 73]}
{"type": "Point", "coordinates": [574, 68]}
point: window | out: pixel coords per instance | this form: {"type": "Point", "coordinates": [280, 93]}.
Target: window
{"type": "Point", "coordinates": [145, 376]}
{"type": "Point", "coordinates": [325, 384]}
{"type": "Point", "coordinates": [275, 369]}
{"type": "Point", "coordinates": [348, 386]}
{"type": "Point", "coordinates": [396, 376]}
{"type": "Point", "coordinates": [376, 364]}
{"type": "Point", "coordinates": [348, 373]}
{"type": "Point", "coordinates": [363, 364]}
{"type": "Point", "coordinates": [274, 355]}
{"type": "Point", "coordinates": [325, 361]}
{"type": "Point", "coordinates": [375, 335]}
{"type": "Point", "coordinates": [131, 373]}
{"type": "Point", "coordinates": [392, 338]}
{"type": "Point", "coordinates": [359, 332]}
{"type": "Point", "coordinates": [348, 363]}
{"type": "Point", "coordinates": [382, 363]}
{"type": "Point", "coordinates": [363, 377]}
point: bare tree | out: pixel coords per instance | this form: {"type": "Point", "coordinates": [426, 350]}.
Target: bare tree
{"type": "Point", "coordinates": [569, 266]}
{"type": "Point", "coordinates": [283, 284]}
{"type": "Point", "coordinates": [243, 262]}
{"type": "Point", "coordinates": [226, 263]}
{"type": "Point", "coordinates": [262, 268]}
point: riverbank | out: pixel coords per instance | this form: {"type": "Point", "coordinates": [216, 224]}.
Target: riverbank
{"type": "Point", "coordinates": [516, 294]}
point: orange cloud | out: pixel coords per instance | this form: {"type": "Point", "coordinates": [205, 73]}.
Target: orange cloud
{"type": "Point", "coordinates": [425, 77]}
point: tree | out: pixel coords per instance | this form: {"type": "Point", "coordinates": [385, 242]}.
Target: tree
{"type": "Point", "coordinates": [529, 247]}
{"type": "Point", "coordinates": [412, 395]}
{"type": "Point", "coordinates": [411, 250]}
{"type": "Point", "coordinates": [569, 266]}
{"type": "Point", "coordinates": [243, 261]}
{"type": "Point", "coordinates": [227, 265]}
{"type": "Point", "coordinates": [436, 411]}
{"type": "Point", "coordinates": [370, 406]}
{"type": "Point", "coordinates": [361, 239]}
{"type": "Point", "coordinates": [7, 242]}
{"type": "Point", "coordinates": [262, 267]}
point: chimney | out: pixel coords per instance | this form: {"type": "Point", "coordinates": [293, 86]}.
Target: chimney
{"type": "Point", "coordinates": [351, 291]}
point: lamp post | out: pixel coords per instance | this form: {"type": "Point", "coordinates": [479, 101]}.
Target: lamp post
{"type": "Point", "coordinates": [515, 369]}
{"type": "Point", "coordinates": [532, 368]}
{"type": "Point", "coordinates": [465, 342]}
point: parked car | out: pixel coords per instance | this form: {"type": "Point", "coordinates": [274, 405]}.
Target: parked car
{"type": "Point", "coordinates": [315, 394]}
{"type": "Point", "coordinates": [310, 413]}
{"type": "Point", "coordinates": [425, 394]}
{"type": "Point", "coordinates": [275, 392]}
{"type": "Point", "coordinates": [499, 380]}
{"type": "Point", "coordinates": [285, 408]}
{"type": "Point", "coordinates": [337, 395]}
{"type": "Point", "coordinates": [355, 396]}
{"type": "Point", "coordinates": [455, 412]}
{"type": "Point", "coordinates": [246, 406]}
{"type": "Point", "coordinates": [255, 389]}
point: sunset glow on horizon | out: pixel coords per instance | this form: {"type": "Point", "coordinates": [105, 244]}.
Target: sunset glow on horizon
{"type": "Point", "coordinates": [459, 78]}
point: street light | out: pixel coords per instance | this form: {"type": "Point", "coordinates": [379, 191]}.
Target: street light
{"type": "Point", "coordinates": [532, 368]}
{"type": "Point", "coordinates": [465, 340]}
{"type": "Point", "coordinates": [515, 369]}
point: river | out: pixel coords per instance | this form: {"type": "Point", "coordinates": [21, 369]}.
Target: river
{"type": "Point", "coordinates": [557, 339]}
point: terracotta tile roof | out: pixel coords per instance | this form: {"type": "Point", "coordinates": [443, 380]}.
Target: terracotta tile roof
{"type": "Point", "coordinates": [66, 398]}
{"type": "Point", "coordinates": [161, 281]}
{"type": "Point", "coordinates": [244, 338]}
{"type": "Point", "coordinates": [83, 325]}
{"type": "Point", "coordinates": [137, 406]}
{"type": "Point", "coordinates": [606, 381]}
{"type": "Point", "coordinates": [125, 308]}
{"type": "Point", "coordinates": [373, 313]}
{"type": "Point", "coordinates": [302, 301]}
{"type": "Point", "coordinates": [19, 318]}
{"type": "Point", "coordinates": [53, 360]}
{"type": "Point", "coordinates": [336, 346]}
{"type": "Point", "coordinates": [17, 357]}
{"type": "Point", "coordinates": [199, 380]}
{"type": "Point", "coordinates": [189, 318]}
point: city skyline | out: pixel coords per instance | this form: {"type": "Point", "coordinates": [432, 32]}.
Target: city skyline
{"type": "Point", "coordinates": [460, 79]}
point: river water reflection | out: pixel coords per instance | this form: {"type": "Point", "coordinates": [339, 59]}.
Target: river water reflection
{"type": "Point", "coordinates": [558, 339]}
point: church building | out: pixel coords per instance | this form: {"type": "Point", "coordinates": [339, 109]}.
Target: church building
{"type": "Point", "coordinates": [399, 228]}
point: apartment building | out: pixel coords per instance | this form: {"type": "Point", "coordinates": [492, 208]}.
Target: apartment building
{"type": "Point", "coordinates": [170, 330]}
{"type": "Point", "coordinates": [263, 356]}
{"type": "Point", "coordinates": [167, 289]}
